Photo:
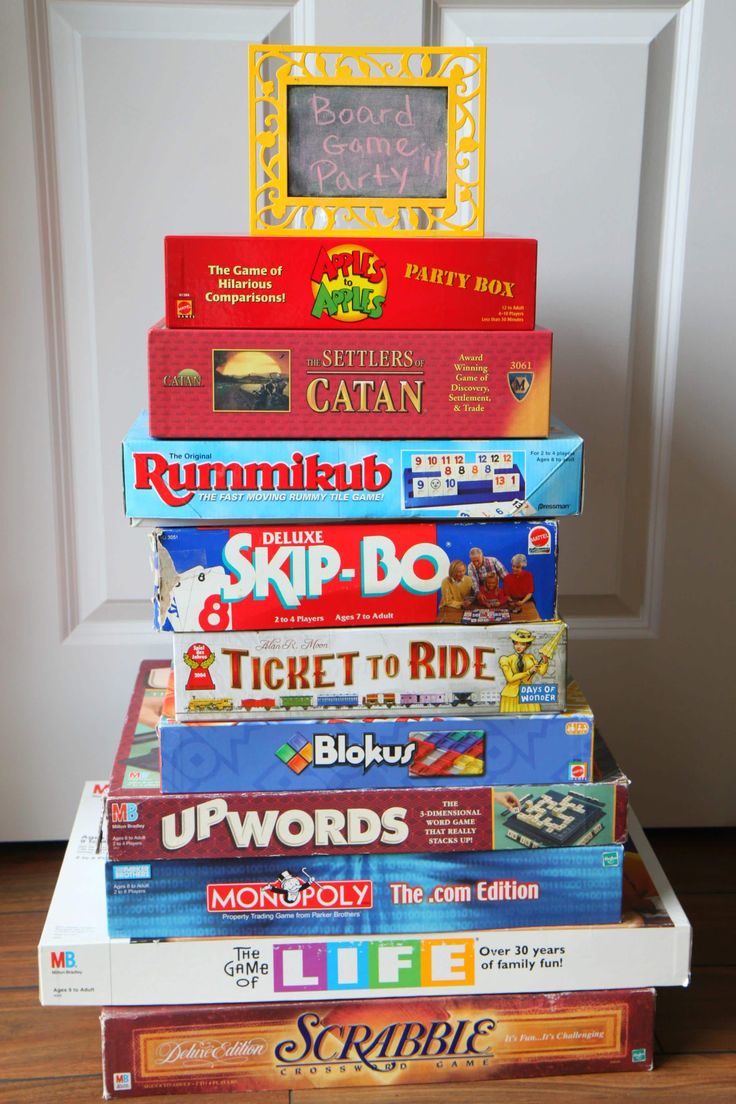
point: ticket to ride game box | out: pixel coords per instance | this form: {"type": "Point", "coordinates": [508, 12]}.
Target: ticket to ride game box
{"type": "Point", "coordinates": [380, 1043]}
{"type": "Point", "coordinates": [403, 573]}
{"type": "Point", "coordinates": [303, 383]}
{"type": "Point", "coordinates": [308, 672]}
{"type": "Point", "coordinates": [363, 894]}
{"type": "Point", "coordinates": [324, 283]}
{"type": "Point", "coordinates": [414, 478]}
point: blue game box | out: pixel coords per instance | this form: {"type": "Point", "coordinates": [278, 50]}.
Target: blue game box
{"type": "Point", "coordinates": [364, 894]}
{"type": "Point", "coordinates": [378, 753]}
{"type": "Point", "coordinates": [375, 479]}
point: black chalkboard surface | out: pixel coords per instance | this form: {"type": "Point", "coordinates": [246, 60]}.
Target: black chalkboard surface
{"type": "Point", "coordinates": [366, 141]}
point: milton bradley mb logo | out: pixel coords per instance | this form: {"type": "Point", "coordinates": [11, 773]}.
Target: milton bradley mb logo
{"type": "Point", "coordinates": [291, 893]}
{"type": "Point", "coordinates": [63, 960]}
{"type": "Point", "coordinates": [349, 283]}
{"type": "Point", "coordinates": [520, 384]}
{"type": "Point", "coordinates": [121, 1082]}
{"type": "Point", "coordinates": [123, 812]}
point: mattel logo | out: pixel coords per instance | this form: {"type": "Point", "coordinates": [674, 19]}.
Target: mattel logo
{"type": "Point", "coordinates": [578, 770]}
{"type": "Point", "coordinates": [63, 960]}
{"type": "Point", "coordinates": [540, 540]}
{"type": "Point", "coordinates": [121, 1082]}
{"type": "Point", "coordinates": [265, 897]}
{"type": "Point", "coordinates": [123, 812]}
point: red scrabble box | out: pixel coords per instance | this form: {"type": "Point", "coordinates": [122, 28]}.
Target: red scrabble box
{"type": "Point", "coordinates": [305, 383]}
{"type": "Point", "coordinates": [335, 283]}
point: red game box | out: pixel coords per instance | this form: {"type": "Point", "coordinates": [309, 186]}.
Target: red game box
{"type": "Point", "coordinates": [376, 1043]}
{"type": "Point", "coordinates": [336, 283]}
{"type": "Point", "coordinates": [312, 383]}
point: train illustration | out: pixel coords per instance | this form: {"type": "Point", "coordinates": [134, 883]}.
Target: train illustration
{"type": "Point", "coordinates": [303, 702]}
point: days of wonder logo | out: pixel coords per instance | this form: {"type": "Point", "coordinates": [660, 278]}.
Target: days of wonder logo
{"type": "Point", "coordinates": [289, 892]}
{"type": "Point", "coordinates": [349, 283]}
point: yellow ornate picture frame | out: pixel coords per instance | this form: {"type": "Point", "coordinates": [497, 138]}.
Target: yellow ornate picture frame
{"type": "Point", "coordinates": [382, 141]}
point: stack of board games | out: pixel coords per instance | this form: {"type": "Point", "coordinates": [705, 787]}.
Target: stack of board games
{"type": "Point", "coordinates": [364, 807]}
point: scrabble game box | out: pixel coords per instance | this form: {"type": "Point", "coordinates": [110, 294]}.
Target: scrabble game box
{"type": "Point", "coordinates": [235, 756]}
{"type": "Point", "coordinates": [401, 573]}
{"type": "Point", "coordinates": [369, 894]}
{"type": "Point", "coordinates": [305, 383]}
{"type": "Point", "coordinates": [380, 1043]}
{"type": "Point", "coordinates": [326, 479]}
{"type": "Point", "coordinates": [335, 284]}
{"type": "Point", "coordinates": [309, 672]}
{"type": "Point", "coordinates": [80, 965]}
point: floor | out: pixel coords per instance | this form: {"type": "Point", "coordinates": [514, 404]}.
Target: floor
{"type": "Point", "coordinates": [51, 1056]}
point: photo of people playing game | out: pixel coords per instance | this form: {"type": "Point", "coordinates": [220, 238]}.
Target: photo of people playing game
{"type": "Point", "coordinates": [251, 379]}
{"type": "Point", "coordinates": [504, 580]}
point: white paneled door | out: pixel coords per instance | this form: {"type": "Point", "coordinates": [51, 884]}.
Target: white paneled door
{"type": "Point", "coordinates": [122, 122]}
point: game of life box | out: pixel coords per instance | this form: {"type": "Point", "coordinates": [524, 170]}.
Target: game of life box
{"type": "Point", "coordinates": [431, 791]}
{"type": "Point", "coordinates": [202, 481]}
{"type": "Point", "coordinates": [335, 284]}
{"type": "Point", "coordinates": [210, 579]}
{"type": "Point", "coordinates": [367, 894]}
{"type": "Point", "coordinates": [378, 1044]}
{"type": "Point", "coordinates": [487, 669]}
{"type": "Point", "coordinates": [305, 383]}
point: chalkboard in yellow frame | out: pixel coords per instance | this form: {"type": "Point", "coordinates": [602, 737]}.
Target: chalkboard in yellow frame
{"type": "Point", "coordinates": [384, 141]}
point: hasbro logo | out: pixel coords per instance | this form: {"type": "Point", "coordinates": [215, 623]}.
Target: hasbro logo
{"type": "Point", "coordinates": [610, 858]}
{"type": "Point", "coordinates": [128, 872]}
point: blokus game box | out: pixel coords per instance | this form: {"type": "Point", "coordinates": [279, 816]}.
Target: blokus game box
{"type": "Point", "coordinates": [80, 965]}
{"type": "Point", "coordinates": [368, 894]}
{"type": "Point", "coordinates": [308, 672]}
{"type": "Point", "coordinates": [403, 573]}
{"type": "Point", "coordinates": [379, 1043]}
{"type": "Point", "coordinates": [301, 383]}
{"type": "Point", "coordinates": [332, 283]}
{"type": "Point", "coordinates": [446, 478]}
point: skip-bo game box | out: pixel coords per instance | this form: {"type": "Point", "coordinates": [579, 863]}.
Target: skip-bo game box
{"type": "Point", "coordinates": [306, 673]}
{"type": "Point", "coordinates": [301, 383]}
{"type": "Point", "coordinates": [406, 573]}
{"type": "Point", "coordinates": [213, 480]}
{"type": "Point", "coordinates": [334, 284]}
